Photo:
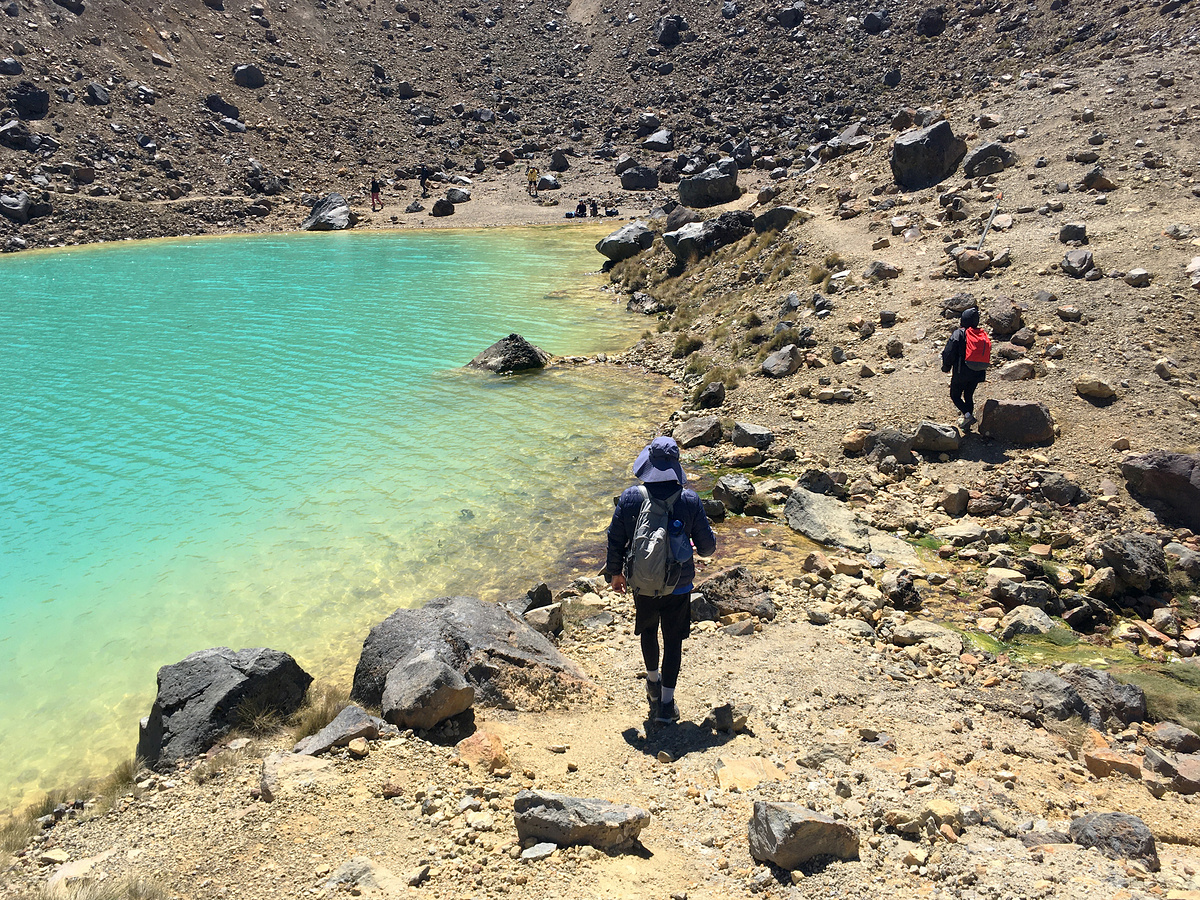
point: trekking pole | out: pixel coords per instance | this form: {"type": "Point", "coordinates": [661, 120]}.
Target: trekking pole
{"type": "Point", "coordinates": [991, 218]}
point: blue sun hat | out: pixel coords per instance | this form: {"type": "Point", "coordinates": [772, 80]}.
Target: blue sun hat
{"type": "Point", "coordinates": [659, 461]}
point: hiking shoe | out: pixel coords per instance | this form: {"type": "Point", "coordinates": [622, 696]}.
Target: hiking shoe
{"type": "Point", "coordinates": [654, 692]}
{"type": "Point", "coordinates": [969, 420]}
{"type": "Point", "coordinates": [667, 712]}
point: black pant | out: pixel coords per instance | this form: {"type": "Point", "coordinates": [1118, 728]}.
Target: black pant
{"type": "Point", "coordinates": [962, 388]}
{"type": "Point", "coordinates": [673, 614]}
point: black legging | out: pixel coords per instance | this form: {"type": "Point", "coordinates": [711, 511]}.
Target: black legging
{"type": "Point", "coordinates": [673, 616]}
{"type": "Point", "coordinates": [962, 388]}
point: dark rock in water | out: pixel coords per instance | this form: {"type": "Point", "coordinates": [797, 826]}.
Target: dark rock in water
{"type": "Point", "coordinates": [699, 432]}
{"type": "Point", "coordinates": [442, 207]}
{"type": "Point", "coordinates": [628, 240]}
{"type": "Point", "coordinates": [1137, 559]}
{"type": "Point", "coordinates": [733, 491]}
{"type": "Point", "coordinates": [1166, 481]}
{"type": "Point", "coordinates": [714, 509]}
{"type": "Point", "coordinates": [424, 691]}
{"type": "Point", "coordinates": [702, 238]}
{"type": "Point", "coordinates": [737, 590]}
{"type": "Point", "coordinates": [204, 697]}
{"type": "Point", "coordinates": [330, 213]}
{"type": "Point", "coordinates": [926, 156]}
{"type": "Point", "coordinates": [1117, 836]}
{"type": "Point", "coordinates": [715, 185]}
{"type": "Point", "coordinates": [214, 102]}
{"type": "Point", "coordinates": [511, 354]}
{"type": "Point", "coordinates": [570, 821]}
{"type": "Point", "coordinates": [29, 100]}
{"type": "Point", "coordinates": [712, 396]}
{"type": "Point", "coordinates": [826, 521]}
{"type": "Point", "coordinates": [987, 159]}
{"type": "Point", "coordinates": [932, 21]}
{"type": "Point", "coordinates": [1016, 421]}
{"type": "Point", "coordinates": [789, 835]}
{"type": "Point", "coordinates": [639, 178]}
{"type": "Point", "coordinates": [352, 722]}
{"type": "Point", "coordinates": [508, 663]}
{"type": "Point", "coordinates": [248, 76]}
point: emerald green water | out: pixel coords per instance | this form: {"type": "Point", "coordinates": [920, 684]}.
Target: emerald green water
{"type": "Point", "coordinates": [271, 442]}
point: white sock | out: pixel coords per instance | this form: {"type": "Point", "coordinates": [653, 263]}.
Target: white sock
{"type": "Point", "coordinates": [653, 676]}
{"type": "Point", "coordinates": [668, 694]}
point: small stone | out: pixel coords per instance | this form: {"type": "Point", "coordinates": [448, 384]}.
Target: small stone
{"type": "Point", "coordinates": [358, 748]}
{"type": "Point", "coordinates": [1138, 278]}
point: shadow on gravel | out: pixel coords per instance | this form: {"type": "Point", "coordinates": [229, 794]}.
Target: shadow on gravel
{"type": "Point", "coordinates": [981, 449]}
{"type": "Point", "coordinates": [678, 740]}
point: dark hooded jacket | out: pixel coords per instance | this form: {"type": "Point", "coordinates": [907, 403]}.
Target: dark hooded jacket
{"type": "Point", "coordinates": [688, 509]}
{"type": "Point", "coordinates": [954, 354]}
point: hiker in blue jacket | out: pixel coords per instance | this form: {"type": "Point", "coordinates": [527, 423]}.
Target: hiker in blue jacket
{"type": "Point", "coordinates": [657, 466]}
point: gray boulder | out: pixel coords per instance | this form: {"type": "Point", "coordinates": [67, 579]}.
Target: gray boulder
{"type": "Point", "coordinates": [1175, 738]}
{"type": "Point", "coordinates": [330, 213]}
{"type": "Point", "coordinates": [1078, 263]}
{"type": "Point", "coordinates": [878, 271]}
{"type": "Point", "coordinates": [1167, 482]}
{"type": "Point", "coordinates": [508, 663]}
{"type": "Point", "coordinates": [352, 722]}
{"type": "Point", "coordinates": [697, 239]}
{"type": "Point", "coordinates": [1094, 696]}
{"type": "Point", "coordinates": [547, 620]}
{"type": "Point", "coordinates": [423, 691]}
{"type": "Point", "coordinates": [97, 94]}
{"type": "Point", "coordinates": [248, 76]}
{"type": "Point", "coordinates": [783, 362]}
{"type": "Point", "coordinates": [1137, 559]}
{"type": "Point", "coordinates": [569, 821]}
{"type": "Point", "coordinates": [713, 396]}
{"type": "Point", "coordinates": [1117, 836]}
{"type": "Point", "coordinates": [988, 159]}
{"type": "Point", "coordinates": [646, 305]}
{"type": "Point", "coordinates": [206, 695]}
{"type": "Point", "coordinates": [511, 354]}
{"type": "Point", "coordinates": [935, 438]}
{"type": "Point", "coordinates": [639, 178]}
{"type": "Point", "coordinates": [16, 207]}
{"type": "Point", "coordinates": [1033, 593]}
{"type": "Point", "coordinates": [214, 102]}
{"type": "Point", "coordinates": [662, 141]}
{"type": "Point", "coordinates": [559, 161]}
{"type": "Point", "coordinates": [548, 183]}
{"type": "Point", "coordinates": [627, 241]}
{"type": "Point", "coordinates": [703, 431]}
{"type": "Point", "coordinates": [748, 435]}
{"type": "Point", "coordinates": [789, 835]}
{"type": "Point", "coordinates": [734, 491]}
{"type": "Point", "coordinates": [774, 219]}
{"type": "Point", "coordinates": [715, 185]}
{"type": "Point", "coordinates": [923, 157]}
{"type": "Point", "coordinates": [826, 521]}
{"type": "Point", "coordinates": [29, 100]}
{"type": "Point", "coordinates": [10, 66]}
{"type": "Point", "coordinates": [1018, 422]}
{"type": "Point", "coordinates": [1024, 620]}
{"type": "Point", "coordinates": [458, 195]}
{"type": "Point", "coordinates": [442, 207]}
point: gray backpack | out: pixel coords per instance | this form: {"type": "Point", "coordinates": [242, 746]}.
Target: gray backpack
{"type": "Point", "coordinates": [650, 567]}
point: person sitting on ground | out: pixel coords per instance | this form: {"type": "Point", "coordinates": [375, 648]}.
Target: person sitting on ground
{"type": "Point", "coordinates": [965, 375]}
{"type": "Point", "coordinates": [581, 210]}
{"type": "Point", "coordinates": [595, 208]}
{"type": "Point", "coordinates": [663, 480]}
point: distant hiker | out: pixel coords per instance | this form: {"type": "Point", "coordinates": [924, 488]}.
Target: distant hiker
{"type": "Point", "coordinates": [581, 210]}
{"type": "Point", "coordinates": [595, 208]}
{"type": "Point", "coordinates": [531, 181]}
{"type": "Point", "coordinates": [966, 355]}
{"type": "Point", "coordinates": [376, 187]}
{"type": "Point", "coordinates": [650, 540]}
{"type": "Point", "coordinates": [423, 177]}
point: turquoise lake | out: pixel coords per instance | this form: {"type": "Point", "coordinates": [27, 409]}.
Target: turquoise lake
{"type": "Point", "coordinates": [271, 441]}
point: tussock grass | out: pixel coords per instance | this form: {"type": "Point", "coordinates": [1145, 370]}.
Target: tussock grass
{"type": "Point", "coordinates": [257, 717]}
{"type": "Point", "coordinates": [121, 781]}
{"type": "Point", "coordinates": [216, 765]}
{"type": "Point", "coordinates": [751, 320]}
{"type": "Point", "coordinates": [15, 834]}
{"type": "Point", "coordinates": [686, 344]}
{"type": "Point", "coordinates": [321, 705]}
{"type": "Point", "coordinates": [782, 338]}
{"type": "Point", "coordinates": [131, 888]}
{"type": "Point", "coordinates": [697, 364]}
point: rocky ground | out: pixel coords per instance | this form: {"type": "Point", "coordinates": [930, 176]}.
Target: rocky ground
{"type": "Point", "coordinates": [973, 783]}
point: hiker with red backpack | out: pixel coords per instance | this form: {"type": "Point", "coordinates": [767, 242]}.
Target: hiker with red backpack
{"type": "Point", "coordinates": [966, 356]}
{"type": "Point", "coordinates": [654, 529]}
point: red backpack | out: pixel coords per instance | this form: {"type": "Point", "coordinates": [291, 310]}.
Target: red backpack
{"type": "Point", "coordinates": [979, 349]}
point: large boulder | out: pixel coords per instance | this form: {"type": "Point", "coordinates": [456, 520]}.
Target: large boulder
{"type": "Point", "coordinates": [508, 663]}
{"type": "Point", "coordinates": [701, 431]}
{"type": "Point", "coordinates": [698, 239]}
{"type": "Point", "coordinates": [923, 157]}
{"type": "Point", "coordinates": [783, 362]}
{"type": "Point", "coordinates": [442, 207]}
{"type": "Point", "coordinates": [734, 491]}
{"type": "Point", "coordinates": [639, 178]}
{"type": "Point", "coordinates": [16, 207]}
{"type": "Point", "coordinates": [458, 195]}
{"type": "Point", "coordinates": [715, 185]}
{"type": "Point", "coordinates": [330, 213]}
{"type": "Point", "coordinates": [1137, 559]}
{"type": "Point", "coordinates": [215, 102]}
{"type": "Point", "coordinates": [988, 159]}
{"type": "Point", "coordinates": [1167, 482]}
{"type": "Point", "coordinates": [1018, 422]}
{"type": "Point", "coordinates": [423, 691]}
{"type": "Point", "coordinates": [825, 520]}
{"type": "Point", "coordinates": [628, 240]}
{"type": "Point", "coordinates": [569, 821]}
{"type": "Point", "coordinates": [775, 219]}
{"type": "Point", "coordinates": [936, 438]}
{"type": "Point", "coordinates": [662, 141]}
{"type": "Point", "coordinates": [1094, 696]}
{"type": "Point", "coordinates": [789, 835]}
{"type": "Point", "coordinates": [208, 694]}
{"type": "Point", "coordinates": [1117, 836]}
{"type": "Point", "coordinates": [511, 354]}
{"type": "Point", "coordinates": [736, 590]}
{"type": "Point", "coordinates": [248, 76]}
{"type": "Point", "coordinates": [29, 100]}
